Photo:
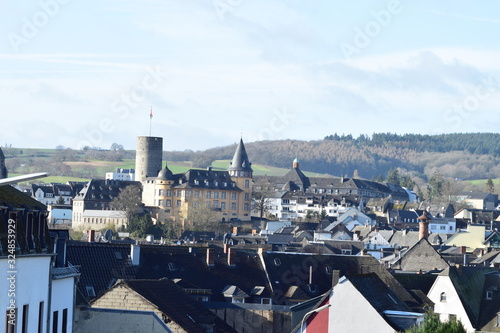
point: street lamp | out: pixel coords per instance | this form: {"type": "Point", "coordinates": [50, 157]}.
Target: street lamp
{"type": "Point", "coordinates": [321, 308]}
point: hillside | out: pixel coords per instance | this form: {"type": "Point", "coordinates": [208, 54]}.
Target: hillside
{"type": "Point", "coordinates": [457, 156]}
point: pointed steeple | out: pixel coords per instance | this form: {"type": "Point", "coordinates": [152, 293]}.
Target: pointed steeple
{"type": "Point", "coordinates": [240, 160]}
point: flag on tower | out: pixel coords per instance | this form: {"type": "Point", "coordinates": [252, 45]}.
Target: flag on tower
{"type": "Point", "coordinates": [151, 113]}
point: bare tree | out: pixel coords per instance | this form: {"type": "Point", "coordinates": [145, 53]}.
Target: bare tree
{"type": "Point", "coordinates": [129, 201]}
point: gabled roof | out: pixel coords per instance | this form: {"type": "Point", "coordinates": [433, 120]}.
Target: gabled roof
{"type": "Point", "coordinates": [471, 284]}
{"type": "Point", "coordinates": [240, 161]}
{"type": "Point", "coordinates": [421, 257]}
{"type": "Point", "coordinates": [293, 269]}
{"type": "Point", "coordinates": [173, 302]}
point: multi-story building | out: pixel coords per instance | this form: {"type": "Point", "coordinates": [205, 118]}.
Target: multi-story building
{"type": "Point", "coordinates": [121, 174]}
{"type": "Point", "coordinates": [92, 206]}
{"type": "Point", "coordinates": [222, 195]}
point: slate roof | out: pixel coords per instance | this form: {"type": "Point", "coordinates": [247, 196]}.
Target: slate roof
{"type": "Point", "coordinates": [32, 234]}
{"type": "Point", "coordinates": [293, 269]}
{"type": "Point", "coordinates": [403, 238]}
{"type": "Point", "coordinates": [240, 161]}
{"type": "Point", "coordinates": [165, 174]}
{"type": "Point", "coordinates": [471, 284]}
{"type": "Point", "coordinates": [178, 263]}
{"type": "Point", "coordinates": [420, 257]}
{"type": "Point", "coordinates": [205, 179]}
{"type": "Point", "coordinates": [100, 265]}
{"type": "Point", "coordinates": [99, 191]}
{"type": "Point", "coordinates": [182, 309]}
{"type": "Point", "coordinates": [13, 198]}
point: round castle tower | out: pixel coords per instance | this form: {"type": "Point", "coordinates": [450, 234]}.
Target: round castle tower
{"type": "Point", "coordinates": [148, 157]}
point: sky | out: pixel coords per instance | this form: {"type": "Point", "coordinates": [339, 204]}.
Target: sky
{"type": "Point", "coordinates": [89, 73]}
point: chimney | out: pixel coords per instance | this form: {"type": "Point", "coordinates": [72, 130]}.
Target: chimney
{"type": "Point", "coordinates": [91, 236]}
{"type": "Point", "coordinates": [335, 277]}
{"type": "Point", "coordinates": [254, 232]}
{"type": "Point", "coordinates": [210, 257]}
{"type": "Point", "coordinates": [423, 226]}
{"type": "Point", "coordinates": [235, 230]}
{"type": "Point", "coordinates": [463, 249]}
{"type": "Point", "coordinates": [231, 257]}
{"type": "Point", "coordinates": [135, 254]}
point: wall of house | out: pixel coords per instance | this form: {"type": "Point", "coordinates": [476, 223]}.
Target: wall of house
{"type": "Point", "coordinates": [118, 321]}
{"type": "Point", "coordinates": [62, 298]}
{"type": "Point", "coordinates": [472, 239]}
{"type": "Point", "coordinates": [351, 312]}
{"type": "Point", "coordinates": [31, 286]}
{"type": "Point", "coordinates": [253, 320]}
{"type": "Point", "coordinates": [452, 305]}
{"type": "Point", "coordinates": [121, 297]}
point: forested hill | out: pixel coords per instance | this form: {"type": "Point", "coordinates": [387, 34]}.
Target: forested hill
{"type": "Point", "coordinates": [478, 143]}
{"type": "Point", "coordinates": [465, 156]}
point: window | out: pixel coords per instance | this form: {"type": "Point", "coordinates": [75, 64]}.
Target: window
{"type": "Point", "coordinates": [196, 194]}
{"type": "Point", "coordinates": [442, 297]}
{"type": "Point", "coordinates": [247, 196]}
{"type": "Point", "coordinates": [10, 321]}
{"type": "Point", "coordinates": [328, 269]}
{"type": "Point", "coordinates": [169, 203]}
{"type": "Point", "coordinates": [169, 193]}
{"type": "Point", "coordinates": [222, 205]}
{"type": "Point", "coordinates": [233, 196]}
{"type": "Point", "coordinates": [265, 301]}
{"type": "Point", "coordinates": [64, 327]}
{"type": "Point", "coordinates": [55, 321]}
{"type": "Point", "coordinates": [489, 294]}
{"type": "Point", "coordinates": [216, 195]}
{"type": "Point", "coordinates": [247, 183]}
{"type": "Point", "coordinates": [171, 266]}
{"type": "Point", "coordinates": [160, 193]}
{"type": "Point", "coordinates": [223, 195]}
{"type": "Point", "coordinates": [216, 204]}
{"type": "Point", "coordinates": [90, 291]}
{"type": "Point", "coordinates": [233, 205]}
{"type": "Point", "coordinates": [277, 261]}
{"type": "Point", "coordinates": [40, 317]}
{"type": "Point", "coordinates": [246, 206]}
{"type": "Point", "coordinates": [24, 323]}
{"type": "Point", "coordinates": [208, 194]}
{"type": "Point", "coordinates": [178, 203]}
{"type": "Point", "coordinates": [443, 227]}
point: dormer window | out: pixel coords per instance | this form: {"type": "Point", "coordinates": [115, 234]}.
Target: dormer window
{"type": "Point", "coordinates": [489, 294]}
{"type": "Point", "coordinates": [196, 182]}
{"type": "Point", "coordinates": [277, 261]}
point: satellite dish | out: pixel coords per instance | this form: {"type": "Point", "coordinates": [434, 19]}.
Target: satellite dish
{"type": "Point", "coordinates": [107, 235]}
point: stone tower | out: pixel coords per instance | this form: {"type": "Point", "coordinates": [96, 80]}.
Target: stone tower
{"type": "Point", "coordinates": [148, 157]}
{"type": "Point", "coordinates": [3, 168]}
{"type": "Point", "coordinates": [241, 173]}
